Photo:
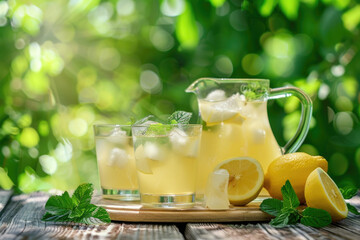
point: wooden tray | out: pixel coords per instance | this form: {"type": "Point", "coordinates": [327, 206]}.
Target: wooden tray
{"type": "Point", "coordinates": [135, 212]}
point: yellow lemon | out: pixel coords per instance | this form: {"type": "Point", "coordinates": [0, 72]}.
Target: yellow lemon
{"type": "Point", "coordinates": [246, 179]}
{"type": "Point", "coordinates": [294, 167]}
{"type": "Point", "coordinates": [321, 192]}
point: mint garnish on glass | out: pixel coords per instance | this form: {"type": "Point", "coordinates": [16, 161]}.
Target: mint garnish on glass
{"type": "Point", "coordinates": [76, 208]}
{"type": "Point", "coordinates": [286, 212]}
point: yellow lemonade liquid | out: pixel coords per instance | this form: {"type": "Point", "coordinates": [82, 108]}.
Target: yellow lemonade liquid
{"type": "Point", "coordinates": [164, 170]}
{"type": "Point", "coordinates": [166, 167]}
{"type": "Point", "coordinates": [116, 163]}
{"type": "Point", "coordinates": [234, 128]}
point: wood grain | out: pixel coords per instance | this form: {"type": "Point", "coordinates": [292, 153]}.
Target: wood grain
{"type": "Point", "coordinates": [4, 198]}
{"type": "Point", "coordinates": [21, 220]}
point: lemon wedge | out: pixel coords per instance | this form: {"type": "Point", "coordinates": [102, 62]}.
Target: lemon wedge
{"type": "Point", "coordinates": [322, 192]}
{"type": "Point", "coordinates": [246, 178]}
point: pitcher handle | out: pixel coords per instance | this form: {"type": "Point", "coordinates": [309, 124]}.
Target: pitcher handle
{"type": "Point", "coordinates": [306, 110]}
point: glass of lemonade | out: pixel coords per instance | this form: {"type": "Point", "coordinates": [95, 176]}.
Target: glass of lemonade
{"type": "Point", "coordinates": [166, 160]}
{"type": "Point", "coordinates": [116, 162]}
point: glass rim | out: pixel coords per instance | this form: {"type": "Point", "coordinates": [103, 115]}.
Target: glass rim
{"type": "Point", "coordinates": [265, 80]}
{"type": "Point", "coordinates": [111, 125]}
{"type": "Point", "coordinates": [176, 124]}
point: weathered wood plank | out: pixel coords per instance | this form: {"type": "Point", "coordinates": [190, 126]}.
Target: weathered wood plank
{"type": "Point", "coordinates": [21, 220]}
{"type": "Point", "coordinates": [348, 228]}
{"type": "Point", "coordinates": [4, 198]}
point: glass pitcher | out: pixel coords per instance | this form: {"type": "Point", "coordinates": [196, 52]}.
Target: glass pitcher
{"type": "Point", "coordinates": [235, 122]}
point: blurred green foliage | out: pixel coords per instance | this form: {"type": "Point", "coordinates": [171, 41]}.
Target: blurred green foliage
{"type": "Point", "coordinates": [66, 65]}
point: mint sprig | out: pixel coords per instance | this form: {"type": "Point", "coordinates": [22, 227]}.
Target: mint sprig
{"type": "Point", "coordinates": [287, 211]}
{"type": "Point", "coordinates": [180, 117]}
{"type": "Point", "coordinates": [348, 193]}
{"type": "Point", "coordinates": [76, 208]}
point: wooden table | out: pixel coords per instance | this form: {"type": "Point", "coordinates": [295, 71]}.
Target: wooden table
{"type": "Point", "coordinates": [20, 219]}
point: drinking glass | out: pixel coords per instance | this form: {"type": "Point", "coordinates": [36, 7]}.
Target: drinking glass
{"type": "Point", "coordinates": [166, 160]}
{"type": "Point", "coordinates": [116, 162]}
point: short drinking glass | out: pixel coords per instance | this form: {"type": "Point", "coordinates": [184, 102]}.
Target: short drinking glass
{"type": "Point", "coordinates": [166, 159]}
{"type": "Point", "coordinates": [116, 162]}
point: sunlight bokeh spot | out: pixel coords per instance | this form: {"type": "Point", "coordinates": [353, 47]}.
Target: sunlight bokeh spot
{"type": "Point", "coordinates": [150, 82]}
{"type": "Point", "coordinates": [252, 64]}
{"type": "Point", "coordinates": [109, 58]}
{"type": "Point", "coordinates": [78, 127]}
{"type": "Point", "coordinates": [5, 150]}
{"type": "Point", "coordinates": [101, 14]}
{"type": "Point", "coordinates": [33, 152]}
{"type": "Point", "coordinates": [29, 137]}
{"type": "Point", "coordinates": [43, 128]}
{"type": "Point", "coordinates": [48, 164]}
{"type": "Point", "coordinates": [63, 151]}
{"type": "Point", "coordinates": [343, 123]}
{"type": "Point", "coordinates": [337, 70]}
{"type": "Point", "coordinates": [310, 149]}
{"type": "Point", "coordinates": [172, 8]}
{"type": "Point", "coordinates": [125, 7]}
{"type": "Point", "coordinates": [161, 39]}
{"type": "Point", "coordinates": [238, 20]}
{"type": "Point", "coordinates": [35, 65]}
{"type": "Point", "coordinates": [34, 50]}
{"type": "Point", "coordinates": [344, 104]}
{"type": "Point", "coordinates": [338, 164]}
{"type": "Point", "coordinates": [324, 91]}
{"type": "Point", "coordinates": [224, 65]}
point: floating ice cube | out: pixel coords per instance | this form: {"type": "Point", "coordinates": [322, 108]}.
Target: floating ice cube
{"type": "Point", "coordinates": [118, 157]}
{"type": "Point", "coordinates": [155, 151]}
{"type": "Point", "coordinates": [118, 136]}
{"type": "Point", "coordinates": [183, 144]}
{"type": "Point", "coordinates": [216, 95]}
{"type": "Point", "coordinates": [258, 135]}
{"type": "Point", "coordinates": [142, 163]}
{"type": "Point", "coordinates": [216, 194]}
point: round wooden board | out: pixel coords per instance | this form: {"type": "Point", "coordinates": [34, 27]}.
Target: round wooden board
{"type": "Point", "coordinates": [134, 212]}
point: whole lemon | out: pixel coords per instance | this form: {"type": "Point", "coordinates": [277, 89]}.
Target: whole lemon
{"type": "Point", "coordinates": [294, 167]}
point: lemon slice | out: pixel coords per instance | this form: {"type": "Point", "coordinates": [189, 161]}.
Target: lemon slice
{"type": "Point", "coordinates": [322, 192]}
{"type": "Point", "coordinates": [245, 181]}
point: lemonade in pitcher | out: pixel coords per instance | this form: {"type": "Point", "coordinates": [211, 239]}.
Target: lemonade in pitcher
{"type": "Point", "coordinates": [235, 123]}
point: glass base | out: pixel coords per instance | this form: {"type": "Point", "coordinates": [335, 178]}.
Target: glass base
{"type": "Point", "coordinates": [168, 201]}
{"type": "Point", "coordinates": [120, 194]}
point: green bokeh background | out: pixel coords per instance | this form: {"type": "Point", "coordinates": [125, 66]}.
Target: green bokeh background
{"type": "Point", "coordinates": [66, 65]}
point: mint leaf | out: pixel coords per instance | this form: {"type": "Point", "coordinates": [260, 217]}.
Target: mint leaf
{"type": "Point", "coordinates": [76, 208]}
{"type": "Point", "coordinates": [158, 129]}
{"type": "Point", "coordinates": [181, 117]}
{"type": "Point", "coordinates": [59, 205]}
{"type": "Point", "coordinates": [314, 217]}
{"type": "Point", "coordinates": [280, 221]}
{"type": "Point", "coordinates": [290, 199]}
{"type": "Point", "coordinates": [352, 209]}
{"type": "Point", "coordinates": [271, 206]}
{"type": "Point", "coordinates": [95, 215]}
{"type": "Point", "coordinates": [348, 192]}
{"type": "Point", "coordinates": [294, 215]}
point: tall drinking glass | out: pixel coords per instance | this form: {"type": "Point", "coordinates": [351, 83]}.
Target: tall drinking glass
{"type": "Point", "coordinates": [166, 160]}
{"type": "Point", "coordinates": [116, 162]}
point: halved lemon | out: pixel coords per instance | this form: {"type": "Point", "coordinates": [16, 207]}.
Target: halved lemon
{"type": "Point", "coordinates": [245, 181]}
{"type": "Point", "coordinates": [322, 192]}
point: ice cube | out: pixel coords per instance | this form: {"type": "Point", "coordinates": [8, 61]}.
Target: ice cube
{"type": "Point", "coordinates": [216, 95]}
{"type": "Point", "coordinates": [142, 163]}
{"type": "Point", "coordinates": [258, 135]}
{"type": "Point", "coordinates": [155, 151]}
{"type": "Point", "coordinates": [216, 194]}
{"type": "Point", "coordinates": [118, 157]}
{"type": "Point", "coordinates": [183, 144]}
{"type": "Point", "coordinates": [118, 136]}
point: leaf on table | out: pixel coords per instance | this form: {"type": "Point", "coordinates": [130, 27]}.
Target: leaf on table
{"type": "Point", "coordinates": [314, 217]}
{"type": "Point", "coordinates": [94, 215]}
{"type": "Point", "coordinates": [280, 221]}
{"type": "Point", "coordinates": [352, 209]}
{"type": "Point", "coordinates": [271, 206]}
{"type": "Point", "coordinates": [59, 205]}
{"type": "Point", "coordinates": [348, 192]}
{"type": "Point", "coordinates": [290, 199]}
